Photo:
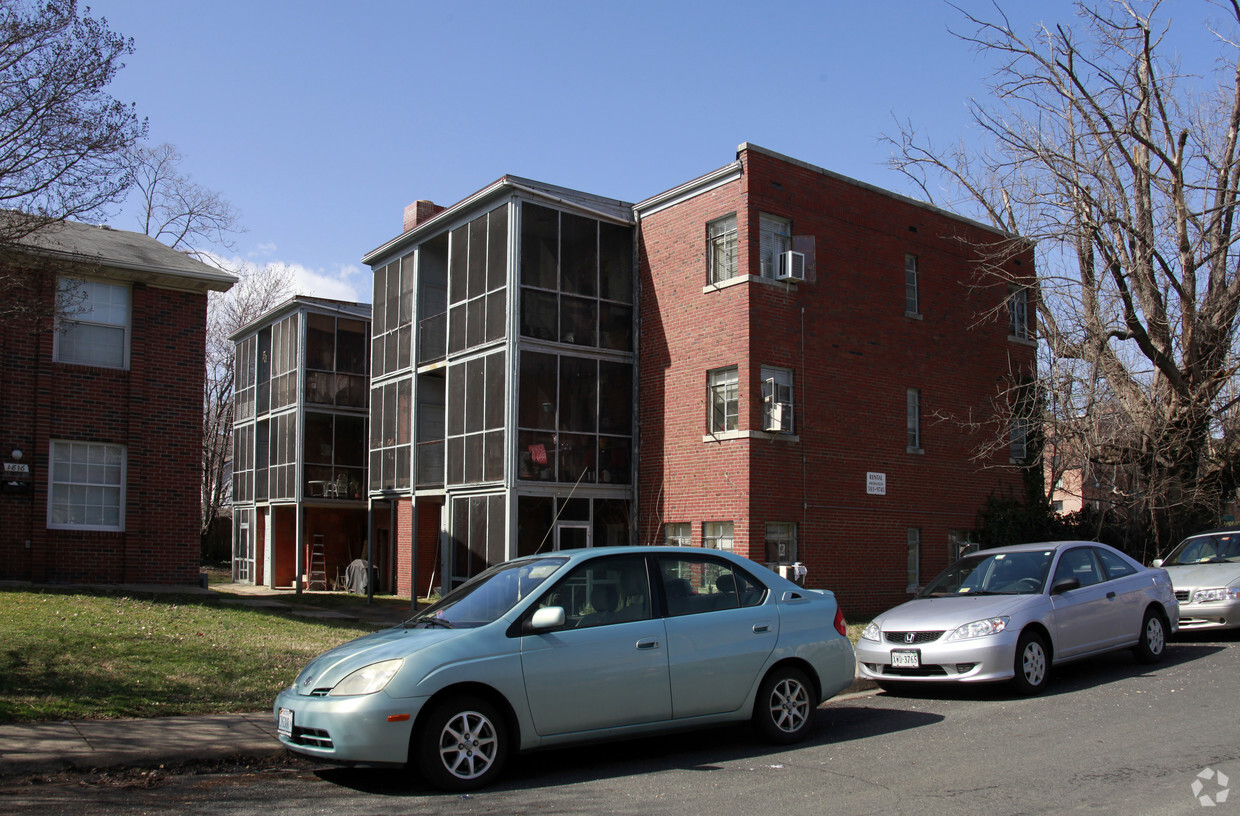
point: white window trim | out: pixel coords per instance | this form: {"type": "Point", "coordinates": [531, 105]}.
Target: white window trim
{"type": "Point", "coordinates": [726, 543]}
{"type": "Point", "coordinates": [778, 389]}
{"type": "Point", "coordinates": [913, 423]}
{"type": "Point", "coordinates": [711, 386]}
{"type": "Point", "coordinates": [910, 266]}
{"type": "Point", "coordinates": [1018, 314]}
{"type": "Point", "coordinates": [784, 238]}
{"type": "Point", "coordinates": [724, 235]}
{"type": "Point", "coordinates": [119, 527]}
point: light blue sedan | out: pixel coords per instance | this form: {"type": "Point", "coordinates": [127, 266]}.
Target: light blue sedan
{"type": "Point", "coordinates": [571, 646]}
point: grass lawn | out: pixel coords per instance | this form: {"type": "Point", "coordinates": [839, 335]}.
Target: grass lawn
{"type": "Point", "coordinates": [78, 655]}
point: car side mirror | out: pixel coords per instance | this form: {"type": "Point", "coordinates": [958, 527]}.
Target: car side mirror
{"type": "Point", "coordinates": [1065, 584]}
{"type": "Point", "coordinates": [1157, 562]}
{"type": "Point", "coordinates": [549, 617]}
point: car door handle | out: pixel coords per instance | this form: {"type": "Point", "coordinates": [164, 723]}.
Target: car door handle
{"type": "Point", "coordinates": [760, 628]}
{"type": "Point", "coordinates": [650, 643]}
{"type": "Point", "coordinates": [1110, 596]}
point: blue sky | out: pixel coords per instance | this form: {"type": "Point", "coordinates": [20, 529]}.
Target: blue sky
{"type": "Point", "coordinates": [321, 121]}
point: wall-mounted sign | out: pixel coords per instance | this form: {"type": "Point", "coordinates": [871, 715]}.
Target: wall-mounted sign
{"type": "Point", "coordinates": [876, 484]}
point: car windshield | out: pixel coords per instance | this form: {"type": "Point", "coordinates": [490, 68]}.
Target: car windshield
{"type": "Point", "coordinates": [1008, 573]}
{"type": "Point", "coordinates": [1216, 548]}
{"type": "Point", "coordinates": [487, 596]}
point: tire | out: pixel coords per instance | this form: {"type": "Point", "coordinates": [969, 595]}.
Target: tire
{"type": "Point", "coordinates": [462, 745]}
{"type": "Point", "coordinates": [783, 711]}
{"type": "Point", "coordinates": [1152, 644]}
{"type": "Point", "coordinates": [1033, 664]}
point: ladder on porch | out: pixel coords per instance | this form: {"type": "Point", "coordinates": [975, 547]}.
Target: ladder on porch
{"type": "Point", "coordinates": [318, 565]}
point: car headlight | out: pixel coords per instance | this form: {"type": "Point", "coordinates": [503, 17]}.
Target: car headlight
{"type": "Point", "coordinates": [872, 631]}
{"type": "Point", "coordinates": [1213, 595]}
{"type": "Point", "coordinates": [982, 628]}
{"type": "Point", "coordinates": [368, 679]}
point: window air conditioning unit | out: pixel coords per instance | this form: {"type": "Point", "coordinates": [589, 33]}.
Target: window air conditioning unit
{"type": "Point", "coordinates": [791, 266]}
{"type": "Point", "coordinates": [779, 417]}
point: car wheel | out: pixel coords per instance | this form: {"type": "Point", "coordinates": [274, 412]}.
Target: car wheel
{"type": "Point", "coordinates": [1152, 644]}
{"type": "Point", "coordinates": [784, 710]}
{"type": "Point", "coordinates": [1032, 664]}
{"type": "Point", "coordinates": [462, 745]}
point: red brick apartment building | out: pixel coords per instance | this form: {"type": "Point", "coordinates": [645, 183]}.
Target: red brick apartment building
{"type": "Point", "coordinates": [771, 358]}
{"type": "Point", "coordinates": [101, 411]}
{"type": "Point", "coordinates": [811, 348]}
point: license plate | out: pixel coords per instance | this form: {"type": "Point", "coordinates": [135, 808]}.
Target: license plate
{"type": "Point", "coordinates": [284, 724]}
{"type": "Point", "coordinates": [907, 659]}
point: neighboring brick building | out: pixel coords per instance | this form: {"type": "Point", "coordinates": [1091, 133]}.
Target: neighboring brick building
{"type": "Point", "coordinates": [771, 358]}
{"type": "Point", "coordinates": [101, 413]}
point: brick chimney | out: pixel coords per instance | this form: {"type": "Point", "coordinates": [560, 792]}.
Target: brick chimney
{"type": "Point", "coordinates": [419, 212]}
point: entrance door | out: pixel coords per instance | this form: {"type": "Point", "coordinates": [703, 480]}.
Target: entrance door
{"type": "Point", "coordinates": [243, 550]}
{"type": "Point", "coordinates": [572, 535]}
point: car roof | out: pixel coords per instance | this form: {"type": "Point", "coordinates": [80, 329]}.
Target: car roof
{"type": "Point", "coordinates": [1039, 546]}
{"type": "Point", "coordinates": [1216, 531]}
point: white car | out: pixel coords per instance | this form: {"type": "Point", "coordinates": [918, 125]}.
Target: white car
{"type": "Point", "coordinates": [1011, 613]}
{"type": "Point", "coordinates": [1205, 571]}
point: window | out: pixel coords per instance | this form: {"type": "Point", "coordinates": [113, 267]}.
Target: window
{"type": "Point", "coordinates": [1018, 312]}
{"type": "Point", "coordinates": [86, 486]}
{"type": "Point", "coordinates": [695, 584]}
{"type": "Point", "coordinates": [1079, 563]}
{"type": "Point", "coordinates": [717, 535]}
{"type": "Point", "coordinates": [723, 396]}
{"type": "Point", "coordinates": [911, 305]}
{"type": "Point", "coordinates": [1020, 439]}
{"type": "Point", "coordinates": [960, 543]}
{"type": "Point", "coordinates": [602, 592]}
{"type": "Point", "coordinates": [721, 251]}
{"type": "Point", "coordinates": [679, 534]}
{"type": "Point", "coordinates": [774, 239]}
{"type": "Point", "coordinates": [92, 323]}
{"type": "Point", "coordinates": [781, 542]}
{"type": "Point", "coordinates": [1115, 566]}
{"type": "Point", "coordinates": [914, 557]}
{"type": "Point", "coordinates": [777, 414]}
{"type": "Point", "coordinates": [914, 420]}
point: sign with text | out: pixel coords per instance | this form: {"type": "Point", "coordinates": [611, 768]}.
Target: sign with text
{"type": "Point", "coordinates": [876, 484]}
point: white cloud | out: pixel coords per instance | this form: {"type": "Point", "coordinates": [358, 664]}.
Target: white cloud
{"type": "Point", "coordinates": [347, 283]}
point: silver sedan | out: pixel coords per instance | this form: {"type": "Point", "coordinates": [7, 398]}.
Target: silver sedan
{"type": "Point", "coordinates": [1205, 571]}
{"type": "Point", "coordinates": [1011, 613]}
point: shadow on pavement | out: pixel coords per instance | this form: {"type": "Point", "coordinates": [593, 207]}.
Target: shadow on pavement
{"type": "Point", "coordinates": [703, 750]}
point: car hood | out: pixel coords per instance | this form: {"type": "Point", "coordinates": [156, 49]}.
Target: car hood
{"type": "Point", "coordinates": [1193, 576]}
{"type": "Point", "coordinates": [932, 614]}
{"type": "Point", "coordinates": [329, 668]}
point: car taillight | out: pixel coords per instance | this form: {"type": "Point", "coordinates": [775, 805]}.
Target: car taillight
{"type": "Point", "coordinates": [840, 626]}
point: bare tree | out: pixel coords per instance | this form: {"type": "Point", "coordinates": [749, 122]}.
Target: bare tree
{"type": "Point", "coordinates": [64, 141]}
{"type": "Point", "coordinates": [178, 211]}
{"type": "Point", "coordinates": [1125, 172]}
{"type": "Point", "coordinates": [258, 290]}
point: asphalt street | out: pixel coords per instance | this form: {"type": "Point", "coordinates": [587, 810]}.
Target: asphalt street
{"type": "Point", "coordinates": [1110, 735]}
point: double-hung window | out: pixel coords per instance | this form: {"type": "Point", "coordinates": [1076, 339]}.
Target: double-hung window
{"type": "Point", "coordinates": [911, 305]}
{"type": "Point", "coordinates": [717, 535]}
{"type": "Point", "coordinates": [723, 395]}
{"type": "Point", "coordinates": [1018, 312]}
{"type": "Point", "coordinates": [86, 486]}
{"type": "Point", "coordinates": [678, 534]}
{"type": "Point", "coordinates": [721, 252]}
{"type": "Point", "coordinates": [777, 400]}
{"type": "Point", "coordinates": [781, 542]}
{"type": "Point", "coordinates": [914, 420]}
{"type": "Point", "coordinates": [92, 323]}
{"type": "Point", "coordinates": [774, 239]}
{"type": "Point", "coordinates": [1019, 439]}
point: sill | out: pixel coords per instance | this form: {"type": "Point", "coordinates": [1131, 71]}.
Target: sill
{"type": "Point", "coordinates": [913, 315]}
{"type": "Point", "coordinates": [1024, 341]}
{"type": "Point", "coordinates": [724, 284]}
{"type": "Point", "coordinates": [918, 451]}
{"type": "Point", "coordinates": [786, 285]}
{"type": "Point", "coordinates": [725, 436]}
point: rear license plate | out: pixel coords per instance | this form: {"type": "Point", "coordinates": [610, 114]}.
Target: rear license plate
{"type": "Point", "coordinates": [284, 724]}
{"type": "Point", "coordinates": [906, 659]}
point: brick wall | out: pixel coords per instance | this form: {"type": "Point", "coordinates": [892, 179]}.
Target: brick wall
{"type": "Point", "coordinates": [853, 353]}
{"type": "Point", "coordinates": [154, 409]}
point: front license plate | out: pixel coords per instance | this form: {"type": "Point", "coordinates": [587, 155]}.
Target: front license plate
{"type": "Point", "coordinates": [284, 724]}
{"type": "Point", "coordinates": [906, 659]}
